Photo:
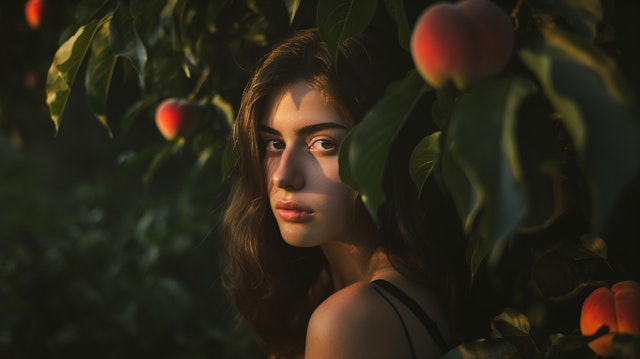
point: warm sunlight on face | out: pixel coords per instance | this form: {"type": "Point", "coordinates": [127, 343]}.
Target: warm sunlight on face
{"type": "Point", "coordinates": [301, 136]}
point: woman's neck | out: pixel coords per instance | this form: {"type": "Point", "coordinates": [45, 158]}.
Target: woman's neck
{"type": "Point", "coordinates": [350, 263]}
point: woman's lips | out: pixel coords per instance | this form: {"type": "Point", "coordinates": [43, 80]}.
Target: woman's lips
{"type": "Point", "coordinates": [293, 212]}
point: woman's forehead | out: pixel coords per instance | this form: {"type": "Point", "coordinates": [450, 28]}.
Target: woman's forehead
{"type": "Point", "coordinates": [300, 102]}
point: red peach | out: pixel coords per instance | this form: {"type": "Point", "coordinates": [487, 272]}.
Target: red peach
{"type": "Point", "coordinates": [36, 12]}
{"type": "Point", "coordinates": [33, 80]}
{"type": "Point", "coordinates": [176, 117]}
{"type": "Point", "coordinates": [462, 42]}
{"type": "Point", "coordinates": [617, 307]}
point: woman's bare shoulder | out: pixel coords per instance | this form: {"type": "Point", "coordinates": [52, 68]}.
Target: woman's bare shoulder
{"type": "Point", "coordinates": [356, 300]}
{"type": "Point", "coordinates": [351, 323]}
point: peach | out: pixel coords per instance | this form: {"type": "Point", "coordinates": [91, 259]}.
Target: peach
{"type": "Point", "coordinates": [617, 307]}
{"type": "Point", "coordinates": [36, 12]}
{"type": "Point", "coordinates": [177, 118]}
{"type": "Point", "coordinates": [34, 80]}
{"type": "Point", "coordinates": [462, 42]}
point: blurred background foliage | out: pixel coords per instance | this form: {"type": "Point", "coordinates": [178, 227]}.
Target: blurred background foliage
{"type": "Point", "coordinates": [98, 259]}
{"type": "Point", "coordinates": [108, 243]}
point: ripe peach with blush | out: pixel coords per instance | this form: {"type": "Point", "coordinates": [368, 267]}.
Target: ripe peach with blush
{"type": "Point", "coordinates": [177, 117]}
{"type": "Point", "coordinates": [462, 42]}
{"type": "Point", "coordinates": [617, 307]}
{"type": "Point", "coordinates": [36, 12]}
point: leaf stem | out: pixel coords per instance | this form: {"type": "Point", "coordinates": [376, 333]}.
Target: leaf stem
{"type": "Point", "coordinates": [514, 14]}
{"type": "Point", "coordinates": [201, 81]}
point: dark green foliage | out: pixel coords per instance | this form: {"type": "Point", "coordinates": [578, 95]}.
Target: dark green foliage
{"type": "Point", "coordinates": [108, 243]}
{"type": "Point", "coordinates": [96, 264]}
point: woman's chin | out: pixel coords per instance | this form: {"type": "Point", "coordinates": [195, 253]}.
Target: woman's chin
{"type": "Point", "coordinates": [299, 238]}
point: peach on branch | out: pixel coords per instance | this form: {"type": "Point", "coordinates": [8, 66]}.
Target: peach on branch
{"type": "Point", "coordinates": [617, 307]}
{"type": "Point", "coordinates": [36, 12]}
{"type": "Point", "coordinates": [462, 42]}
{"type": "Point", "coordinates": [177, 117]}
{"type": "Point", "coordinates": [34, 80]}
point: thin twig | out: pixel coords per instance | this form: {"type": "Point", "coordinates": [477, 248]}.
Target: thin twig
{"type": "Point", "coordinates": [514, 15]}
{"type": "Point", "coordinates": [201, 81]}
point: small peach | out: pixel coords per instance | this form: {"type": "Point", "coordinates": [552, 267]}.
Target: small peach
{"type": "Point", "coordinates": [176, 117]}
{"type": "Point", "coordinates": [33, 80]}
{"type": "Point", "coordinates": [36, 12]}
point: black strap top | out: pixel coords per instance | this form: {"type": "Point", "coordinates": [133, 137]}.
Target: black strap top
{"type": "Point", "coordinates": [411, 304]}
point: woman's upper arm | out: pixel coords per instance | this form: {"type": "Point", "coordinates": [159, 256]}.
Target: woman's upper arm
{"type": "Point", "coordinates": [332, 333]}
{"type": "Point", "coordinates": [346, 325]}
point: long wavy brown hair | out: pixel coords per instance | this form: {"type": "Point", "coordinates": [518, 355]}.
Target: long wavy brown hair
{"type": "Point", "coordinates": [276, 286]}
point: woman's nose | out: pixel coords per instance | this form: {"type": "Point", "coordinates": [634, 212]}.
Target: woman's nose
{"type": "Point", "coordinates": [289, 173]}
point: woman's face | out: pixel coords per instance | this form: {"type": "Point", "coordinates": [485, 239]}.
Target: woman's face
{"type": "Point", "coordinates": [301, 135]}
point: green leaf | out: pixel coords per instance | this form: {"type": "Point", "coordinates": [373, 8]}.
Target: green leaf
{"type": "Point", "coordinates": [509, 323]}
{"type": "Point", "coordinates": [583, 16]}
{"type": "Point", "coordinates": [224, 109]}
{"type": "Point", "coordinates": [169, 150]}
{"type": "Point", "coordinates": [586, 88]}
{"type": "Point", "coordinates": [367, 146]}
{"type": "Point", "coordinates": [292, 8]}
{"type": "Point", "coordinates": [423, 159]}
{"type": "Point", "coordinates": [464, 196]}
{"type": "Point", "coordinates": [442, 107]}
{"type": "Point", "coordinates": [561, 274]}
{"type": "Point", "coordinates": [137, 108]}
{"type": "Point", "coordinates": [64, 68]}
{"type": "Point", "coordinates": [513, 326]}
{"type": "Point", "coordinates": [86, 10]}
{"type": "Point", "coordinates": [99, 73]}
{"type": "Point", "coordinates": [481, 166]}
{"type": "Point", "coordinates": [463, 193]}
{"type": "Point", "coordinates": [180, 38]}
{"type": "Point", "coordinates": [566, 346]}
{"type": "Point", "coordinates": [482, 348]}
{"type": "Point", "coordinates": [343, 162]}
{"type": "Point", "coordinates": [338, 20]}
{"type": "Point", "coordinates": [124, 39]}
{"type": "Point", "coordinates": [167, 26]}
{"type": "Point", "coordinates": [595, 245]}
{"type": "Point", "coordinates": [396, 10]}
{"type": "Point", "coordinates": [542, 150]}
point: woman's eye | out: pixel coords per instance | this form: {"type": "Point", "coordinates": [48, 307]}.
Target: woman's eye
{"type": "Point", "coordinates": [273, 145]}
{"type": "Point", "coordinates": [323, 145]}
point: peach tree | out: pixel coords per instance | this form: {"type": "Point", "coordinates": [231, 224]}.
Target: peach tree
{"type": "Point", "coordinates": [539, 154]}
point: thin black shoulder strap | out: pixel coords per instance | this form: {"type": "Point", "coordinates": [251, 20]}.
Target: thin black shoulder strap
{"type": "Point", "coordinates": [404, 326]}
{"type": "Point", "coordinates": [428, 323]}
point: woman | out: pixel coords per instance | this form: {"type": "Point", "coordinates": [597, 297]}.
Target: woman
{"type": "Point", "coordinates": [307, 268]}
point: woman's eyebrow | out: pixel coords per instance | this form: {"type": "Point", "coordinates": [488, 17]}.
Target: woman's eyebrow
{"type": "Point", "coordinates": [267, 129]}
{"type": "Point", "coordinates": [306, 130]}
